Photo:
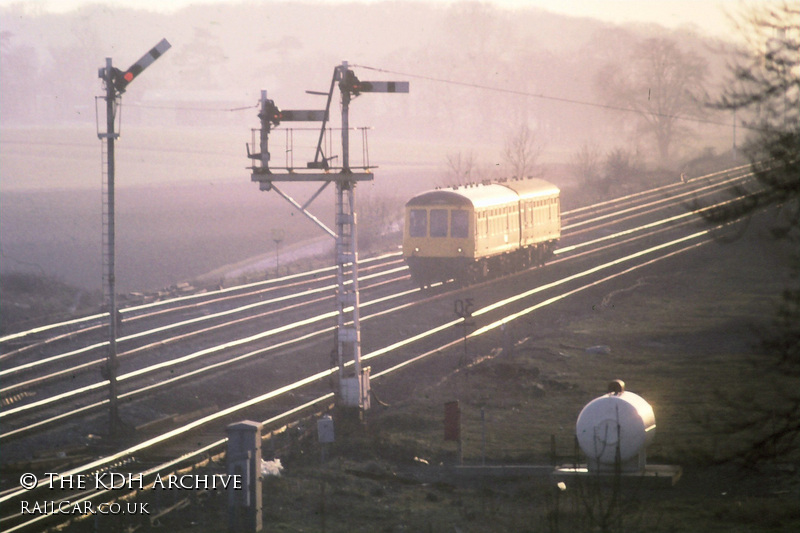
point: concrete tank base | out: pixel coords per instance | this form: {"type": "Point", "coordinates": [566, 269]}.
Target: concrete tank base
{"type": "Point", "coordinates": [652, 477]}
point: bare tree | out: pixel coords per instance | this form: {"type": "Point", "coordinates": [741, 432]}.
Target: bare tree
{"type": "Point", "coordinates": [379, 216]}
{"type": "Point", "coordinates": [765, 87]}
{"type": "Point", "coordinates": [661, 84]}
{"type": "Point", "coordinates": [461, 169]}
{"type": "Point", "coordinates": [521, 152]}
{"type": "Point", "coordinates": [587, 164]}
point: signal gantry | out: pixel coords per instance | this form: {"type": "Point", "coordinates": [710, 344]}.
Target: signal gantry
{"type": "Point", "coordinates": [354, 388]}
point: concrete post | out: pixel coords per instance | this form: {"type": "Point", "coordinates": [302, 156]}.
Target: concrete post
{"type": "Point", "coordinates": [244, 460]}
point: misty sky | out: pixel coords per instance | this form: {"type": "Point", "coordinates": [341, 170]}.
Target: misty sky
{"type": "Point", "coordinates": [668, 13]}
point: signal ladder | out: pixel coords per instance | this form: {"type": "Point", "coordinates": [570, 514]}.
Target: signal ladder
{"type": "Point", "coordinates": [355, 389]}
{"type": "Point", "coordinates": [107, 221]}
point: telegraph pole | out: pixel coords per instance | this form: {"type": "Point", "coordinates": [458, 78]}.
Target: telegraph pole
{"type": "Point", "coordinates": [115, 82]}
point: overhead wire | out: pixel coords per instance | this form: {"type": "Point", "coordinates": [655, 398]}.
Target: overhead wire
{"type": "Point", "coordinates": [553, 98]}
{"type": "Point", "coordinates": [203, 109]}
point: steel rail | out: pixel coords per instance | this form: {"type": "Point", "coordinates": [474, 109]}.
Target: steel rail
{"type": "Point", "coordinates": [174, 325]}
{"type": "Point", "coordinates": [245, 294]}
{"type": "Point", "coordinates": [611, 202]}
{"type": "Point", "coordinates": [104, 316]}
{"type": "Point", "coordinates": [645, 227]}
{"type": "Point", "coordinates": [668, 199]}
{"type": "Point", "coordinates": [171, 463]}
{"type": "Point", "coordinates": [181, 360]}
{"type": "Point", "coordinates": [388, 371]}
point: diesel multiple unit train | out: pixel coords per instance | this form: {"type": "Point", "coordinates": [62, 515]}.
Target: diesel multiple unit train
{"type": "Point", "coordinates": [468, 233]}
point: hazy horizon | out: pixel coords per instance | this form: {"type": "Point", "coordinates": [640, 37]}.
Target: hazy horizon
{"type": "Point", "coordinates": [478, 72]}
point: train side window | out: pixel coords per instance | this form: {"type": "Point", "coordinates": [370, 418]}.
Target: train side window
{"type": "Point", "coordinates": [459, 224]}
{"type": "Point", "coordinates": [418, 223]}
{"type": "Point", "coordinates": [438, 222]}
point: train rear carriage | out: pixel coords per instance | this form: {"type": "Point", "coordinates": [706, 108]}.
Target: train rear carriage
{"type": "Point", "coordinates": [540, 218]}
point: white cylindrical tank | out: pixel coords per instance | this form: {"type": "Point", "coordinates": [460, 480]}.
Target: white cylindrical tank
{"type": "Point", "coordinates": [616, 427]}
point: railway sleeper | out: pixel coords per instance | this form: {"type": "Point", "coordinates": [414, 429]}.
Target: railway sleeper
{"type": "Point", "coordinates": [11, 399]}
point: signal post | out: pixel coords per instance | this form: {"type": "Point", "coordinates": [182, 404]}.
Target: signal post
{"type": "Point", "coordinates": [353, 383]}
{"type": "Point", "coordinates": [115, 81]}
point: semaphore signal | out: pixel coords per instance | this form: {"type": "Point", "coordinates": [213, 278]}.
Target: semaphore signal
{"type": "Point", "coordinates": [115, 82]}
{"type": "Point", "coordinates": [273, 114]}
{"type": "Point", "coordinates": [354, 386]}
{"type": "Point", "coordinates": [121, 79]}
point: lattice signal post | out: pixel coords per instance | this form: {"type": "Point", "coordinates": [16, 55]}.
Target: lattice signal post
{"type": "Point", "coordinates": [353, 390]}
{"type": "Point", "coordinates": [115, 81]}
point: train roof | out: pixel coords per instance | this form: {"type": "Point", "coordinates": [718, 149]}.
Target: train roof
{"type": "Point", "coordinates": [486, 195]}
{"type": "Point", "coordinates": [532, 188]}
{"type": "Point", "coordinates": [475, 195]}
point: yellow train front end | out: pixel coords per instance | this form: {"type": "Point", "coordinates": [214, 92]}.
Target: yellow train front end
{"type": "Point", "coordinates": [438, 238]}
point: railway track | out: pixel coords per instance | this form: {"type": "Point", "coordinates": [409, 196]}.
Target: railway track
{"type": "Point", "coordinates": [301, 295]}
{"type": "Point", "coordinates": [571, 219]}
{"type": "Point", "coordinates": [207, 321]}
{"type": "Point", "coordinates": [632, 248]}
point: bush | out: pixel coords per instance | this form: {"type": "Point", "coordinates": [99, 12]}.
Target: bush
{"type": "Point", "coordinates": [27, 299]}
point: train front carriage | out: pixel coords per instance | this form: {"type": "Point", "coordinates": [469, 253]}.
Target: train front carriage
{"type": "Point", "coordinates": [448, 230]}
{"type": "Point", "coordinates": [437, 239]}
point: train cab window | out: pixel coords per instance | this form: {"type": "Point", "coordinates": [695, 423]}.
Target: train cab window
{"type": "Point", "coordinates": [418, 223]}
{"type": "Point", "coordinates": [459, 224]}
{"type": "Point", "coordinates": [438, 222]}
